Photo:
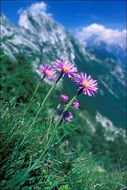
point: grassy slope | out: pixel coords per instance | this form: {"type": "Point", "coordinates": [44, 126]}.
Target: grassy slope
{"type": "Point", "coordinates": [42, 157]}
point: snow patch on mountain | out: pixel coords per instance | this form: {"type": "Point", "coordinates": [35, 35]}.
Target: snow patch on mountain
{"type": "Point", "coordinates": [109, 89]}
{"type": "Point", "coordinates": [85, 115]}
{"type": "Point", "coordinates": [111, 131]}
{"type": "Point", "coordinates": [36, 32]}
{"type": "Point", "coordinates": [119, 74]}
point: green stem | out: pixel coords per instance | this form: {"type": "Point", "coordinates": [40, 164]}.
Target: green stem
{"type": "Point", "coordinates": [33, 95]}
{"type": "Point", "coordinates": [60, 120]}
{"type": "Point", "coordinates": [71, 101]}
{"type": "Point", "coordinates": [46, 97]}
{"type": "Point", "coordinates": [66, 108]}
{"type": "Point", "coordinates": [41, 106]}
{"type": "Point", "coordinates": [24, 114]}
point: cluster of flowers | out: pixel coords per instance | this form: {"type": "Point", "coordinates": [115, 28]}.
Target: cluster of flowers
{"type": "Point", "coordinates": [67, 116]}
{"type": "Point", "coordinates": [85, 83]}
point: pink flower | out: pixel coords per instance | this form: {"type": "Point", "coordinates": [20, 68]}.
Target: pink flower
{"type": "Point", "coordinates": [48, 71]}
{"type": "Point", "coordinates": [75, 104]}
{"type": "Point", "coordinates": [64, 98]}
{"type": "Point", "coordinates": [65, 67]}
{"type": "Point", "coordinates": [86, 84]}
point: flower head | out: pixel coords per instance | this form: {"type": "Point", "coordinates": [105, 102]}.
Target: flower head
{"type": "Point", "coordinates": [64, 98]}
{"type": "Point", "coordinates": [75, 104]}
{"type": "Point", "coordinates": [67, 116]}
{"type": "Point", "coordinates": [86, 83]}
{"type": "Point", "coordinates": [65, 67]}
{"type": "Point", "coordinates": [48, 71]}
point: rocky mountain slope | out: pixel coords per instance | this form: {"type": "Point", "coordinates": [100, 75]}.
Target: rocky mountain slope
{"type": "Point", "coordinates": [43, 37]}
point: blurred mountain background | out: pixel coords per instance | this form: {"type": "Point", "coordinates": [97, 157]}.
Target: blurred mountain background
{"type": "Point", "coordinates": [95, 139]}
{"type": "Point", "coordinates": [39, 34]}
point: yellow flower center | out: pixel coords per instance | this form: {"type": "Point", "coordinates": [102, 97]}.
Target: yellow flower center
{"type": "Point", "coordinates": [65, 68]}
{"type": "Point", "coordinates": [48, 72]}
{"type": "Point", "coordinates": [85, 83]}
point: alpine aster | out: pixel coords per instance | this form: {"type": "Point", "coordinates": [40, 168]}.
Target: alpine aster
{"type": "Point", "coordinates": [86, 84]}
{"type": "Point", "coordinates": [65, 67]}
{"type": "Point", "coordinates": [48, 71]}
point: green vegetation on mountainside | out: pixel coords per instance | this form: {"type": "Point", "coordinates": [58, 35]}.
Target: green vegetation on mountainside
{"type": "Point", "coordinates": [71, 157]}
